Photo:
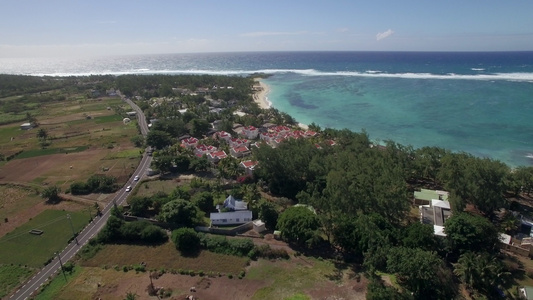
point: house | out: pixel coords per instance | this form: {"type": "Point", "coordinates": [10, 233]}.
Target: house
{"type": "Point", "coordinates": [26, 126]}
{"type": "Point", "coordinates": [131, 113]}
{"type": "Point", "coordinates": [240, 151]}
{"type": "Point", "coordinates": [111, 92]}
{"type": "Point", "coordinates": [331, 142]}
{"type": "Point", "coordinates": [424, 196]}
{"type": "Point", "coordinates": [231, 218]}
{"type": "Point", "coordinates": [189, 142]}
{"type": "Point", "coordinates": [234, 204]}
{"type": "Point", "coordinates": [248, 166]}
{"type": "Point", "coordinates": [250, 132]}
{"type": "Point", "coordinates": [239, 214]}
{"type": "Point", "coordinates": [310, 133]}
{"type": "Point", "coordinates": [216, 156]}
{"type": "Point", "coordinates": [235, 142]}
{"type": "Point", "coordinates": [201, 150]}
{"type": "Point", "coordinates": [436, 214]}
{"type": "Point", "coordinates": [224, 136]}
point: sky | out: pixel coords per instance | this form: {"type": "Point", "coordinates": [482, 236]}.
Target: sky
{"type": "Point", "coordinates": [37, 28]}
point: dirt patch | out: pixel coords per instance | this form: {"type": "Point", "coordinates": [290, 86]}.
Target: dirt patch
{"type": "Point", "coordinates": [180, 285]}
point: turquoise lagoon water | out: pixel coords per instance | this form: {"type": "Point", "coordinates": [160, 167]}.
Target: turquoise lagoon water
{"type": "Point", "coordinates": [481, 103]}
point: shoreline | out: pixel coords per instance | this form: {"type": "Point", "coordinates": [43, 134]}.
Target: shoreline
{"type": "Point", "coordinates": [260, 96]}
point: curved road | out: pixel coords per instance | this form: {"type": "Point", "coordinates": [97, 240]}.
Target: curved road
{"type": "Point", "coordinates": [90, 230]}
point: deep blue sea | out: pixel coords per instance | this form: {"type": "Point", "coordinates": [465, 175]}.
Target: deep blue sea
{"type": "Point", "coordinates": [478, 102]}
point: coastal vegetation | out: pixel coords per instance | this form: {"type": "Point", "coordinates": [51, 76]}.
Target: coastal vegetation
{"type": "Point", "coordinates": [338, 198]}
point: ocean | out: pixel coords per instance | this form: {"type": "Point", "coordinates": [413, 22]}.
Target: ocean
{"type": "Point", "coordinates": [477, 102]}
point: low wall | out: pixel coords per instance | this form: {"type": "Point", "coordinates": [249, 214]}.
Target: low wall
{"type": "Point", "coordinates": [233, 231]}
{"type": "Point", "coordinates": [516, 249]}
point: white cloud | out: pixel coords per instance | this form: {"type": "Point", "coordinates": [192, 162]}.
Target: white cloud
{"type": "Point", "coordinates": [344, 29]}
{"type": "Point", "coordinates": [383, 35]}
{"type": "Point", "coordinates": [272, 33]}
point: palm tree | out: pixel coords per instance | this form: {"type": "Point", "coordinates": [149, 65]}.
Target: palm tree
{"type": "Point", "coordinates": [466, 269]}
{"type": "Point", "coordinates": [131, 296]}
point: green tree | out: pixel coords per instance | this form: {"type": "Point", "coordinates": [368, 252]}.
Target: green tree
{"type": "Point", "coordinates": [158, 139]}
{"type": "Point", "coordinates": [466, 232]}
{"type": "Point", "coordinates": [199, 164]}
{"type": "Point", "coordinates": [51, 193]}
{"type": "Point", "coordinates": [164, 163]}
{"type": "Point", "coordinates": [268, 214]}
{"type": "Point", "coordinates": [299, 225]}
{"type": "Point", "coordinates": [199, 127]}
{"type": "Point", "coordinates": [111, 231]}
{"type": "Point", "coordinates": [138, 141]}
{"type": "Point", "coordinates": [421, 272]}
{"type": "Point", "coordinates": [42, 134]}
{"type": "Point", "coordinates": [378, 291]}
{"type": "Point", "coordinates": [182, 163]}
{"type": "Point", "coordinates": [481, 271]}
{"type": "Point", "coordinates": [418, 235]}
{"type": "Point", "coordinates": [186, 240]}
{"type": "Point", "coordinates": [139, 205]}
{"type": "Point", "coordinates": [179, 212]}
{"type": "Point", "coordinates": [204, 201]}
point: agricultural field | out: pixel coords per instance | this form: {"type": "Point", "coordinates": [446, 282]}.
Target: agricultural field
{"type": "Point", "coordinates": [83, 137]}
{"type": "Point", "coordinates": [296, 278]}
{"type": "Point", "coordinates": [167, 257]}
{"type": "Point", "coordinates": [18, 246]}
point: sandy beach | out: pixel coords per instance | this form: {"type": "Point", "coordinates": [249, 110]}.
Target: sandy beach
{"type": "Point", "coordinates": [260, 97]}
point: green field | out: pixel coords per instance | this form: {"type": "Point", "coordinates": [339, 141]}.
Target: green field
{"type": "Point", "coordinates": [107, 119]}
{"type": "Point", "coordinates": [290, 280]}
{"type": "Point", "coordinates": [22, 247]}
{"type": "Point", "coordinates": [48, 151]}
{"type": "Point", "coordinates": [11, 276]}
{"type": "Point", "coordinates": [51, 289]}
{"type": "Point", "coordinates": [166, 256]}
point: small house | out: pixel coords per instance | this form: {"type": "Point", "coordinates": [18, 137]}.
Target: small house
{"type": "Point", "coordinates": [131, 113]}
{"type": "Point", "coordinates": [231, 218]}
{"type": "Point", "coordinates": [26, 126]}
{"type": "Point", "coordinates": [250, 132]}
{"type": "Point", "coordinates": [216, 156]}
{"type": "Point", "coordinates": [248, 166]}
{"type": "Point", "coordinates": [259, 226]}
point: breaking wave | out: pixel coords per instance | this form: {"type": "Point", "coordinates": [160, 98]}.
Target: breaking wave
{"type": "Point", "coordinates": [516, 76]}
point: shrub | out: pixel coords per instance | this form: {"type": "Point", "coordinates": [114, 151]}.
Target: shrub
{"type": "Point", "coordinates": [186, 241]}
{"type": "Point", "coordinates": [220, 244]}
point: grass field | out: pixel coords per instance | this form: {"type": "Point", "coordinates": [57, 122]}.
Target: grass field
{"type": "Point", "coordinates": [167, 257]}
{"type": "Point", "coordinates": [16, 199]}
{"type": "Point", "coordinates": [149, 188]}
{"type": "Point", "coordinates": [289, 279]}
{"type": "Point", "coordinates": [48, 151]}
{"type": "Point", "coordinates": [20, 247]}
{"type": "Point", "coordinates": [11, 276]}
{"type": "Point", "coordinates": [52, 289]}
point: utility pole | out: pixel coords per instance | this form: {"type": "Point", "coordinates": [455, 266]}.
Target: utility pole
{"type": "Point", "coordinates": [61, 264]}
{"type": "Point", "coordinates": [72, 227]}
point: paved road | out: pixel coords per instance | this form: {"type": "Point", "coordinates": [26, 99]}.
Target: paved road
{"type": "Point", "coordinates": [92, 229]}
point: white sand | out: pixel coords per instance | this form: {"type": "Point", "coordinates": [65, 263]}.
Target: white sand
{"type": "Point", "coordinates": [260, 97]}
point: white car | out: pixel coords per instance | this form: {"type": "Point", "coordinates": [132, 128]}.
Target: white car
{"type": "Point", "coordinates": [136, 178]}
{"type": "Point", "coordinates": [128, 188]}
